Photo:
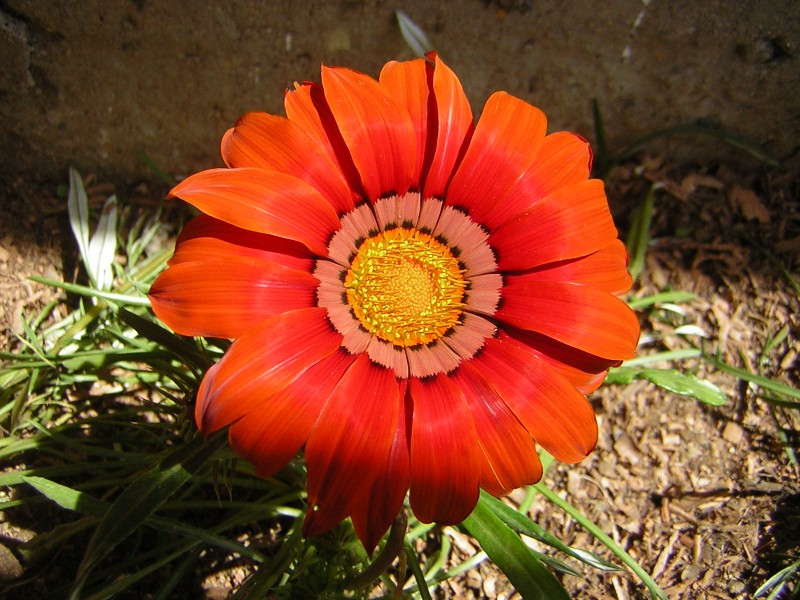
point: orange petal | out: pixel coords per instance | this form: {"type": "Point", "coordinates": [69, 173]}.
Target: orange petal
{"type": "Point", "coordinates": [407, 83]}
{"type": "Point", "coordinates": [262, 363]}
{"type": "Point", "coordinates": [278, 144]}
{"type": "Point", "coordinates": [264, 202]}
{"type": "Point", "coordinates": [583, 317]}
{"type": "Point", "coordinates": [505, 142]}
{"type": "Point", "coordinates": [583, 370]}
{"type": "Point", "coordinates": [350, 444]}
{"type": "Point", "coordinates": [207, 238]}
{"type": "Point", "coordinates": [454, 127]}
{"type": "Point", "coordinates": [571, 222]}
{"type": "Point", "coordinates": [562, 160]}
{"type": "Point", "coordinates": [606, 270]}
{"type": "Point", "coordinates": [272, 433]}
{"type": "Point", "coordinates": [559, 418]}
{"type": "Point", "coordinates": [508, 454]}
{"type": "Point", "coordinates": [378, 133]}
{"type": "Point", "coordinates": [227, 296]}
{"type": "Point", "coordinates": [373, 515]}
{"type": "Point", "coordinates": [307, 107]}
{"type": "Point", "coordinates": [445, 459]}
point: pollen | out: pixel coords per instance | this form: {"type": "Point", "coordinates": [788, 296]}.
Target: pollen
{"type": "Point", "coordinates": [405, 287]}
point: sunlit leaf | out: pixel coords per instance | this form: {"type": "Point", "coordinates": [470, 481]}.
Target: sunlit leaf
{"type": "Point", "coordinates": [78, 209]}
{"type": "Point", "coordinates": [522, 524]}
{"type": "Point", "coordinates": [103, 246]}
{"type": "Point", "coordinates": [413, 34]}
{"type": "Point", "coordinates": [671, 380]}
{"type": "Point", "coordinates": [525, 572]}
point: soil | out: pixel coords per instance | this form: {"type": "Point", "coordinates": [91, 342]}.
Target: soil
{"type": "Point", "coordinates": [705, 498]}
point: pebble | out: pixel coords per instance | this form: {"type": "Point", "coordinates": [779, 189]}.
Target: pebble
{"type": "Point", "coordinates": [733, 433]}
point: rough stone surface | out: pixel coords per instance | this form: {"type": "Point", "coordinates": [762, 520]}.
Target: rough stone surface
{"type": "Point", "coordinates": [99, 83]}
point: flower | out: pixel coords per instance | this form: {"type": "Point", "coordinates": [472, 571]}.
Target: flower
{"type": "Point", "coordinates": [416, 299]}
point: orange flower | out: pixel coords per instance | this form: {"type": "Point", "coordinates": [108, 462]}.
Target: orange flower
{"type": "Point", "coordinates": [417, 299]}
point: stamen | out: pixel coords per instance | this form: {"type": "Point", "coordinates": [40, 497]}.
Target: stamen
{"type": "Point", "coordinates": [405, 287]}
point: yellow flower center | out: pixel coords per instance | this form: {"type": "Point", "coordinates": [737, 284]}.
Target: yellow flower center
{"type": "Point", "coordinates": [405, 287]}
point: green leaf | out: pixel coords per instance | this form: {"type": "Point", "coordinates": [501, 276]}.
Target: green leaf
{"type": "Point", "coordinates": [67, 497]}
{"type": "Point", "coordinates": [78, 209]}
{"type": "Point", "coordinates": [639, 235]}
{"type": "Point", "coordinates": [142, 497]}
{"type": "Point", "coordinates": [686, 385]}
{"type": "Point", "coordinates": [103, 246]}
{"type": "Point", "coordinates": [413, 34]}
{"type": "Point", "coordinates": [525, 572]}
{"type": "Point", "coordinates": [522, 524]}
{"type": "Point", "coordinates": [673, 381]}
{"type": "Point", "coordinates": [675, 296]}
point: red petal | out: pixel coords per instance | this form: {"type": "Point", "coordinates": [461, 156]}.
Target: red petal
{"type": "Point", "coordinates": [445, 459]}
{"type": "Point", "coordinates": [278, 144]}
{"type": "Point", "coordinates": [573, 221]}
{"type": "Point", "coordinates": [272, 433]}
{"type": "Point", "coordinates": [562, 160]}
{"type": "Point", "coordinates": [454, 127]}
{"type": "Point", "coordinates": [378, 133]}
{"type": "Point", "coordinates": [407, 83]}
{"type": "Point", "coordinates": [508, 454]}
{"type": "Point", "coordinates": [583, 317]}
{"type": "Point", "coordinates": [585, 371]}
{"type": "Point", "coordinates": [350, 443]}
{"type": "Point", "coordinates": [227, 296]}
{"type": "Point", "coordinates": [606, 270]}
{"type": "Point", "coordinates": [206, 238]}
{"type": "Point", "coordinates": [559, 418]}
{"type": "Point", "coordinates": [262, 363]}
{"type": "Point", "coordinates": [264, 202]}
{"type": "Point", "coordinates": [376, 511]}
{"type": "Point", "coordinates": [506, 140]}
{"type": "Point", "coordinates": [306, 106]}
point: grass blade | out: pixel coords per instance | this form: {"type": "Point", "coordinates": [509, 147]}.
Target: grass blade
{"type": "Point", "coordinates": [139, 500]}
{"type": "Point", "coordinates": [627, 559]}
{"type": "Point", "coordinates": [103, 246]}
{"type": "Point", "coordinates": [522, 524]}
{"type": "Point", "coordinates": [639, 235]}
{"type": "Point", "coordinates": [78, 209]}
{"type": "Point", "coordinates": [525, 572]}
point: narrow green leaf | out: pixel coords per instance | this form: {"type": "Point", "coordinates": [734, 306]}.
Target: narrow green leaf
{"type": "Point", "coordinates": [759, 380]}
{"type": "Point", "coordinates": [604, 538]}
{"type": "Point", "coordinates": [522, 524]}
{"type": "Point", "coordinates": [67, 497]}
{"type": "Point", "coordinates": [777, 582]}
{"type": "Point", "coordinates": [639, 235]}
{"type": "Point", "coordinates": [163, 337]}
{"type": "Point", "coordinates": [525, 572]}
{"type": "Point", "coordinates": [675, 296]}
{"type": "Point", "coordinates": [686, 385]}
{"type": "Point", "coordinates": [78, 209]}
{"type": "Point", "coordinates": [145, 495]}
{"type": "Point", "coordinates": [92, 292]}
{"type": "Point", "coordinates": [671, 380]}
{"type": "Point", "coordinates": [103, 246]}
{"type": "Point", "coordinates": [413, 34]}
{"type": "Point", "coordinates": [669, 355]}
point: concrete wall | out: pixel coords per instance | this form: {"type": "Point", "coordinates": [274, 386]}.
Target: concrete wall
{"type": "Point", "coordinates": [94, 83]}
